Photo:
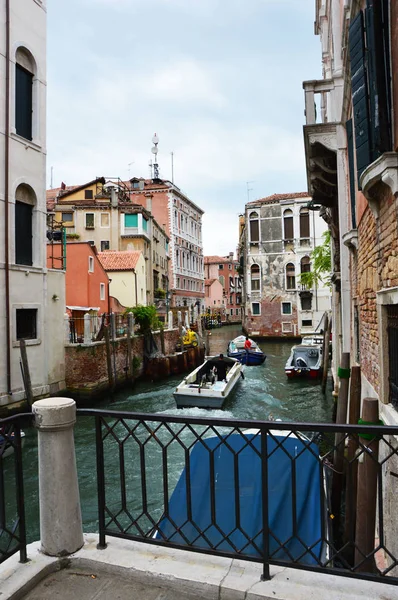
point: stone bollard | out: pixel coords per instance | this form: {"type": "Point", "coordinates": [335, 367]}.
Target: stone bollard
{"type": "Point", "coordinates": [87, 328]}
{"type": "Point", "coordinates": [61, 531]}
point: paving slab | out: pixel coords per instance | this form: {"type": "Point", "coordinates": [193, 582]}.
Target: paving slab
{"type": "Point", "coordinates": [72, 584]}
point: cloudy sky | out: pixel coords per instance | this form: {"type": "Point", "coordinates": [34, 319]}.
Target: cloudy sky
{"type": "Point", "coordinates": [219, 81]}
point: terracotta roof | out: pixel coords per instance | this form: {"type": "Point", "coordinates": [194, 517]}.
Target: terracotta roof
{"type": "Point", "coordinates": [218, 259]}
{"type": "Point", "coordinates": [210, 281]}
{"type": "Point", "coordinates": [112, 260]}
{"type": "Point", "coordinates": [278, 197]}
{"type": "Point", "coordinates": [52, 195]}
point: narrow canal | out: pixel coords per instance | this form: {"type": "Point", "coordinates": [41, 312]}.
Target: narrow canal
{"type": "Point", "coordinates": [264, 393]}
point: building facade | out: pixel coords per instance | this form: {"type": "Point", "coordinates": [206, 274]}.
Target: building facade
{"type": "Point", "coordinates": [278, 234]}
{"type": "Point", "coordinates": [28, 309]}
{"type": "Point", "coordinates": [127, 276]}
{"type": "Point", "coordinates": [352, 170]}
{"type": "Point", "coordinates": [182, 222]}
{"type": "Point", "coordinates": [102, 212]}
{"type": "Point", "coordinates": [226, 270]}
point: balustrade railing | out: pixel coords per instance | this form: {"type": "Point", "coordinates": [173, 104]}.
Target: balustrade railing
{"type": "Point", "coordinates": [12, 512]}
{"type": "Point", "coordinates": [268, 492]}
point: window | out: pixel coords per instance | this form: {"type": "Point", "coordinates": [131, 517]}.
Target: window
{"type": "Point", "coordinates": [136, 185]}
{"type": "Point", "coordinates": [306, 302]}
{"type": "Point", "coordinates": [91, 264]}
{"type": "Point", "coordinates": [286, 308]}
{"type": "Point", "coordinates": [26, 321]}
{"type": "Point", "coordinates": [304, 223]}
{"type": "Point", "coordinates": [89, 220]}
{"type": "Point", "coordinates": [104, 219]}
{"type": "Point", "coordinates": [220, 267]}
{"type": "Point", "coordinates": [290, 276]}
{"type": "Point", "coordinates": [230, 267]}
{"type": "Point", "coordinates": [237, 311]}
{"type": "Point", "coordinates": [88, 194]}
{"type": "Point", "coordinates": [144, 224]}
{"type": "Point", "coordinates": [221, 279]}
{"type": "Point", "coordinates": [214, 302]}
{"type": "Point", "coordinates": [286, 327]}
{"type": "Point", "coordinates": [91, 242]}
{"type": "Point", "coordinates": [104, 245]}
{"type": "Point", "coordinates": [306, 323]}
{"type": "Point", "coordinates": [67, 217]}
{"type": "Point", "coordinates": [288, 225]}
{"type": "Point", "coordinates": [231, 311]}
{"type": "Point", "coordinates": [131, 220]}
{"type": "Point", "coordinates": [255, 278]}
{"type": "Point", "coordinates": [305, 264]}
{"type": "Point", "coordinates": [102, 291]}
{"type": "Point", "coordinates": [23, 96]}
{"type": "Point", "coordinates": [255, 308]}
{"type": "Point", "coordinates": [254, 227]}
{"type": "Point", "coordinates": [24, 200]}
{"type": "Point", "coordinates": [178, 282]}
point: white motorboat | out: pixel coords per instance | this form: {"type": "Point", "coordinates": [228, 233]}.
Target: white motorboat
{"type": "Point", "coordinates": [210, 384]}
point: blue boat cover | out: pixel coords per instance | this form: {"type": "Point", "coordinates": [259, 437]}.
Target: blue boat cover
{"type": "Point", "coordinates": [226, 519]}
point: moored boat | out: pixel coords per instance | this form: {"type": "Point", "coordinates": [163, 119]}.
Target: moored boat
{"type": "Point", "coordinates": [218, 502]}
{"type": "Point", "coordinates": [210, 384]}
{"type": "Point", "coordinates": [304, 361]}
{"type": "Point", "coordinates": [253, 356]}
{"type": "Point", "coordinates": [6, 446]}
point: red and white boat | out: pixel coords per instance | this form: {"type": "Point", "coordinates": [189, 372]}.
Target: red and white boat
{"type": "Point", "coordinates": [304, 361]}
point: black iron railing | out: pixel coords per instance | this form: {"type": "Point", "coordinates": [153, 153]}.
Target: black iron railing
{"type": "Point", "coordinates": [262, 491]}
{"type": "Point", "coordinates": [12, 512]}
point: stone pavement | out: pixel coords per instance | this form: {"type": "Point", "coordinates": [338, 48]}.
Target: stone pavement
{"type": "Point", "coordinates": [79, 584]}
{"type": "Point", "coordinates": [138, 571]}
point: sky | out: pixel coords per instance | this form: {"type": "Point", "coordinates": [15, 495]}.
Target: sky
{"type": "Point", "coordinates": [219, 81]}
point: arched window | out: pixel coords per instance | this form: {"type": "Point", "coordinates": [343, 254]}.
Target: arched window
{"type": "Point", "coordinates": [305, 264]}
{"type": "Point", "coordinates": [255, 278]}
{"type": "Point", "coordinates": [25, 199]}
{"type": "Point", "coordinates": [25, 70]}
{"type": "Point", "coordinates": [288, 225]}
{"type": "Point", "coordinates": [221, 279]}
{"type": "Point", "coordinates": [304, 223]}
{"type": "Point", "coordinates": [290, 276]}
{"type": "Point", "coordinates": [254, 227]}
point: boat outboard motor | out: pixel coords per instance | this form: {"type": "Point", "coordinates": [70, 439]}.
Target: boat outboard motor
{"type": "Point", "coordinates": [301, 363]}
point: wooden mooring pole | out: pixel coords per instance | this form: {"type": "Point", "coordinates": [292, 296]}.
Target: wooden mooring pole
{"type": "Point", "coordinates": [368, 469]}
{"type": "Point", "coordinates": [352, 465]}
{"type": "Point", "coordinates": [326, 344]}
{"type": "Point", "coordinates": [26, 373]}
{"type": "Point", "coordinates": [338, 456]}
{"type": "Point", "coordinates": [109, 359]}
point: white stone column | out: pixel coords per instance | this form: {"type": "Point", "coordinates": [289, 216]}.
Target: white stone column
{"type": "Point", "coordinates": [61, 531]}
{"type": "Point", "coordinates": [67, 329]}
{"type": "Point", "coordinates": [87, 328]}
{"type": "Point", "coordinates": [170, 320]}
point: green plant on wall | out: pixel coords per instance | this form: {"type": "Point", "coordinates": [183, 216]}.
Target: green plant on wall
{"type": "Point", "coordinates": [145, 317]}
{"type": "Point", "coordinates": [321, 264]}
{"type": "Point", "coordinates": [160, 293]}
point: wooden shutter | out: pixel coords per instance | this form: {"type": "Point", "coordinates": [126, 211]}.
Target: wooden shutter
{"type": "Point", "coordinates": [379, 79]}
{"type": "Point", "coordinates": [254, 231]}
{"type": "Point", "coordinates": [360, 95]}
{"type": "Point", "coordinates": [23, 234]}
{"type": "Point", "coordinates": [304, 223]}
{"type": "Point", "coordinates": [350, 148]}
{"type": "Point", "coordinates": [23, 102]}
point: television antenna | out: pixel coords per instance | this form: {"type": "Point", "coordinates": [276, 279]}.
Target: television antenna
{"type": "Point", "coordinates": [248, 189]}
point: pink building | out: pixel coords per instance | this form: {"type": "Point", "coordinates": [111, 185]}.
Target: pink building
{"type": "Point", "coordinates": [225, 270]}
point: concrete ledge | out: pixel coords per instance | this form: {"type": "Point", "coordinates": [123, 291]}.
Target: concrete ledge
{"type": "Point", "coordinates": [213, 578]}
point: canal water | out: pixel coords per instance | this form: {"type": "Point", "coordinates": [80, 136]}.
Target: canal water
{"type": "Point", "coordinates": [264, 394]}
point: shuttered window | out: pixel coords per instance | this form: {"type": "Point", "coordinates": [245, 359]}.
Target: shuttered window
{"type": "Point", "coordinates": [288, 224]}
{"type": "Point", "coordinates": [305, 264]}
{"type": "Point", "coordinates": [131, 220]}
{"type": "Point", "coordinates": [290, 276]}
{"type": "Point", "coordinates": [254, 227]}
{"type": "Point", "coordinates": [23, 102]}
{"type": "Point", "coordinates": [255, 278]}
{"type": "Point", "coordinates": [304, 223]}
{"type": "Point", "coordinates": [360, 96]}
{"type": "Point", "coordinates": [351, 168]}
{"type": "Point", "coordinates": [23, 233]}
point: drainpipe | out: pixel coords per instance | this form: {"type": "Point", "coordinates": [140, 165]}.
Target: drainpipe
{"type": "Point", "coordinates": [6, 200]}
{"type": "Point", "coordinates": [136, 294]}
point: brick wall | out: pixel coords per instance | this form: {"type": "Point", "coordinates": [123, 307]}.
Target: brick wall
{"type": "Point", "coordinates": [86, 366]}
{"type": "Point", "coordinates": [269, 323]}
{"type": "Point", "coordinates": [377, 268]}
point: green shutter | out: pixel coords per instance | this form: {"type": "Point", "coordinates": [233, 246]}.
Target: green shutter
{"type": "Point", "coordinates": [360, 95]}
{"type": "Point", "coordinates": [131, 220]}
{"type": "Point", "coordinates": [378, 69]}
{"type": "Point", "coordinates": [350, 148]}
{"type": "Point", "coordinates": [144, 224]}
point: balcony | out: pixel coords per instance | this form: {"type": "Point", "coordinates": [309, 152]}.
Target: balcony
{"type": "Point", "coordinates": [320, 144]}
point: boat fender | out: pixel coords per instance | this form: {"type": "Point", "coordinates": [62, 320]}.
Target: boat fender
{"type": "Point", "coordinates": [242, 374]}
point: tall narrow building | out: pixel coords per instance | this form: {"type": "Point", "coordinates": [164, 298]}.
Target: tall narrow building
{"type": "Point", "coordinates": [30, 297]}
